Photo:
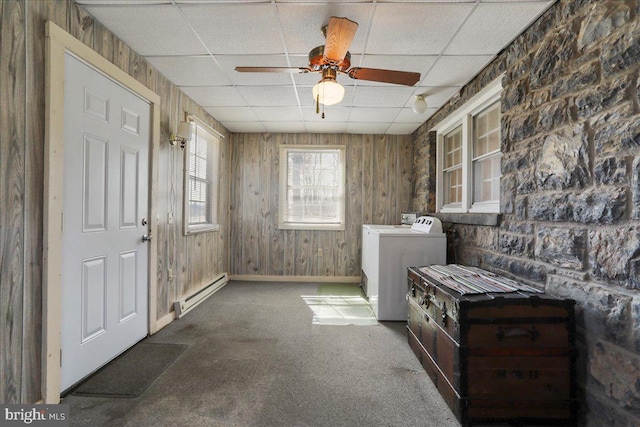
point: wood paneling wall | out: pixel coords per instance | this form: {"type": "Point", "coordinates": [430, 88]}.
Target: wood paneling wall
{"type": "Point", "coordinates": [378, 188]}
{"type": "Point", "coordinates": [194, 259]}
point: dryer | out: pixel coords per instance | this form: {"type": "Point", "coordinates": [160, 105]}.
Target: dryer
{"type": "Point", "coordinates": [387, 252]}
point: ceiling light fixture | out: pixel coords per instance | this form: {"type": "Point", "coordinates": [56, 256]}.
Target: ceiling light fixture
{"type": "Point", "coordinates": [420, 104]}
{"type": "Point", "coordinates": [328, 91]}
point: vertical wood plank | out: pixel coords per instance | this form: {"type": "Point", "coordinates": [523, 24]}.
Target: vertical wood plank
{"type": "Point", "coordinates": [276, 249]}
{"type": "Point", "coordinates": [234, 165]}
{"type": "Point", "coordinates": [354, 200]}
{"type": "Point", "coordinates": [251, 203]}
{"type": "Point", "coordinates": [178, 247]}
{"type": "Point", "coordinates": [80, 23]}
{"type": "Point", "coordinates": [165, 257]}
{"type": "Point", "coordinates": [367, 179]}
{"type": "Point", "coordinates": [265, 217]}
{"type": "Point", "coordinates": [405, 160]}
{"type": "Point", "coordinates": [289, 254]}
{"type": "Point", "coordinates": [103, 41]}
{"type": "Point", "coordinates": [221, 245]}
{"type": "Point", "coordinates": [380, 180]}
{"type": "Point", "coordinates": [304, 265]}
{"type": "Point", "coordinates": [12, 192]}
{"type": "Point", "coordinates": [392, 179]}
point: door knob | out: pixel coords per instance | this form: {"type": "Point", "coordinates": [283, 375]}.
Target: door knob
{"type": "Point", "coordinates": [147, 237]}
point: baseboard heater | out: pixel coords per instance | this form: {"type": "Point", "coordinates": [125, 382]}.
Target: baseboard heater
{"type": "Point", "coordinates": [185, 305]}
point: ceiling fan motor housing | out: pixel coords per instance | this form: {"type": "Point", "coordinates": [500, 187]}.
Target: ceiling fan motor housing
{"type": "Point", "coordinates": [317, 61]}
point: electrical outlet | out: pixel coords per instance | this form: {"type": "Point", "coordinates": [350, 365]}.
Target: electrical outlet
{"type": "Point", "coordinates": [170, 218]}
{"type": "Point", "coordinates": [319, 252]}
{"type": "Point", "coordinates": [170, 272]}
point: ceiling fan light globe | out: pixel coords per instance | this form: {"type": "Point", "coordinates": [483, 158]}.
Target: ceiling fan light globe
{"type": "Point", "coordinates": [329, 92]}
{"type": "Point", "coordinates": [420, 105]}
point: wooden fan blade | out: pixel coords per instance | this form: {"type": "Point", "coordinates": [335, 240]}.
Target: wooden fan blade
{"type": "Point", "coordinates": [384, 76]}
{"type": "Point", "coordinates": [340, 33]}
{"type": "Point", "coordinates": [289, 70]}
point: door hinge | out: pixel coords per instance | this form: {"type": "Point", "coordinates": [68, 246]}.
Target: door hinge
{"type": "Point", "coordinates": [61, 358]}
{"type": "Point", "coordinates": [62, 222]}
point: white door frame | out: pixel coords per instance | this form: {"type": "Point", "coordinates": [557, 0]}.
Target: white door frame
{"type": "Point", "coordinates": [58, 43]}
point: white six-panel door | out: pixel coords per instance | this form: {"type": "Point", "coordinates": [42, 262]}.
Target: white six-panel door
{"type": "Point", "coordinates": [105, 260]}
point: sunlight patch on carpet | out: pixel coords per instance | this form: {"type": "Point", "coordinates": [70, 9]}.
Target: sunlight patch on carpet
{"type": "Point", "coordinates": [346, 308]}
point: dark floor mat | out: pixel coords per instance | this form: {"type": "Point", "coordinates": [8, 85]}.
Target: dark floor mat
{"type": "Point", "coordinates": [131, 373]}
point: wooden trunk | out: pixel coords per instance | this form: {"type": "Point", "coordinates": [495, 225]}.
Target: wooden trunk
{"type": "Point", "coordinates": [495, 356]}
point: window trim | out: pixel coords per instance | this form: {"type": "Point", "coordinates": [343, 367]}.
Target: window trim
{"type": "Point", "coordinates": [282, 225]}
{"type": "Point", "coordinates": [463, 116]}
{"type": "Point", "coordinates": [214, 224]}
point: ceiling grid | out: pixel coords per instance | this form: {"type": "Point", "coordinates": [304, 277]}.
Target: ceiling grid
{"type": "Point", "coordinates": [197, 44]}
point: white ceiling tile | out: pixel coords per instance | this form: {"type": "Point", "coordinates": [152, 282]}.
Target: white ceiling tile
{"type": "Point", "coordinates": [284, 127]}
{"type": "Point", "coordinates": [368, 128]}
{"type": "Point", "coordinates": [266, 96]}
{"type": "Point", "coordinates": [326, 127]}
{"type": "Point", "coordinates": [190, 70]}
{"type": "Point", "coordinates": [414, 28]}
{"type": "Point", "coordinates": [332, 113]}
{"type": "Point", "coordinates": [164, 31]}
{"type": "Point", "coordinates": [274, 114]}
{"type": "Point", "coordinates": [387, 96]}
{"type": "Point", "coordinates": [379, 114]}
{"type": "Point", "coordinates": [233, 114]}
{"type": "Point", "coordinates": [492, 26]}
{"type": "Point", "coordinates": [455, 70]}
{"type": "Point", "coordinates": [215, 96]}
{"type": "Point", "coordinates": [402, 128]}
{"type": "Point", "coordinates": [236, 28]}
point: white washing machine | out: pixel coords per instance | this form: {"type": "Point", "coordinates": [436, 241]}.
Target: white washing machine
{"type": "Point", "coordinates": [387, 252]}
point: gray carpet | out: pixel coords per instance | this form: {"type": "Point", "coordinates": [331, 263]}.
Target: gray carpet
{"type": "Point", "coordinates": [255, 358]}
{"type": "Point", "coordinates": [132, 372]}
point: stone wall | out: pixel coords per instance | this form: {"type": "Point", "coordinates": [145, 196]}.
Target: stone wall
{"type": "Point", "coordinates": [570, 186]}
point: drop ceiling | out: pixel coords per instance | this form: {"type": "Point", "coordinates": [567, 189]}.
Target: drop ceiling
{"type": "Point", "coordinates": [197, 44]}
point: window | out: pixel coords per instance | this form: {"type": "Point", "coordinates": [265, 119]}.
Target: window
{"type": "Point", "coordinates": [201, 179]}
{"type": "Point", "coordinates": [312, 187]}
{"type": "Point", "coordinates": [486, 155]}
{"type": "Point", "coordinates": [452, 168]}
{"type": "Point", "coordinates": [468, 155]}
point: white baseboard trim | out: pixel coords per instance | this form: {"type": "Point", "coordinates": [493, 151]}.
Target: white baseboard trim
{"type": "Point", "coordinates": [164, 321]}
{"type": "Point", "coordinates": [293, 279]}
{"type": "Point", "coordinates": [191, 301]}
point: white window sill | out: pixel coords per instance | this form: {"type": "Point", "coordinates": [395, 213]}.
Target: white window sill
{"type": "Point", "coordinates": [489, 219]}
{"type": "Point", "coordinates": [204, 228]}
{"type": "Point", "coordinates": [303, 226]}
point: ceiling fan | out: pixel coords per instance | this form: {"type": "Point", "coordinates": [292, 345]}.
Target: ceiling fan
{"type": "Point", "coordinates": [334, 58]}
